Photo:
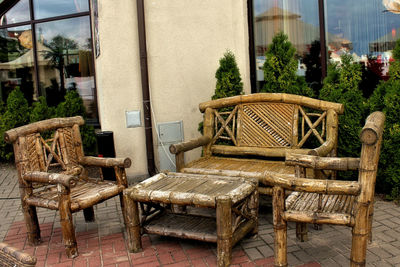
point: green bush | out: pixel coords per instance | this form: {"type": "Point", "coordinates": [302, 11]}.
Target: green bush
{"type": "Point", "coordinates": [280, 69]}
{"type": "Point", "coordinates": [73, 106]}
{"type": "Point", "coordinates": [386, 98]}
{"type": "Point", "coordinates": [229, 83]}
{"type": "Point", "coordinates": [41, 111]}
{"type": "Point", "coordinates": [342, 86]}
{"type": "Point", "coordinates": [16, 114]}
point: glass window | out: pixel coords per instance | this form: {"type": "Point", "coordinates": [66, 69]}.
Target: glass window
{"type": "Point", "coordinates": [16, 62]}
{"type": "Point", "coordinates": [65, 60]}
{"type": "Point", "coordinates": [53, 8]}
{"type": "Point", "coordinates": [18, 13]}
{"type": "Point", "coordinates": [297, 19]}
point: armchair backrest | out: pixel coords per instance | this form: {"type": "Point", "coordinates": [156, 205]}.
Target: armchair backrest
{"type": "Point", "coordinates": [47, 144]}
{"type": "Point", "coordinates": [267, 124]}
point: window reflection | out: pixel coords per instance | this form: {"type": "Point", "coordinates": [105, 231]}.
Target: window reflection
{"type": "Point", "coordinates": [52, 8]}
{"type": "Point", "coordinates": [65, 61]}
{"type": "Point", "coordinates": [297, 19]}
{"type": "Point", "coordinates": [16, 62]}
{"type": "Point", "coordinates": [18, 13]}
{"type": "Point", "coordinates": [370, 29]}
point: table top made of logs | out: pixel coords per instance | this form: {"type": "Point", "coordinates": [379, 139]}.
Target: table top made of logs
{"type": "Point", "coordinates": [191, 189]}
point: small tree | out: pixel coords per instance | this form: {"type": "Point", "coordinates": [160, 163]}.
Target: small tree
{"type": "Point", "coordinates": [342, 85]}
{"type": "Point", "coordinates": [280, 69]}
{"type": "Point", "coordinates": [229, 82]}
{"type": "Point", "coordinates": [16, 114]}
{"type": "Point", "coordinates": [386, 98]}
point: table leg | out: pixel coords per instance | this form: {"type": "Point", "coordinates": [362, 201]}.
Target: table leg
{"type": "Point", "coordinates": [224, 230]}
{"type": "Point", "coordinates": [132, 224]}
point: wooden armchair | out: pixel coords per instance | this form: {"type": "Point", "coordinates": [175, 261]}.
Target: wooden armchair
{"type": "Point", "coordinates": [12, 257]}
{"type": "Point", "coordinates": [319, 201]}
{"type": "Point", "coordinates": [57, 165]}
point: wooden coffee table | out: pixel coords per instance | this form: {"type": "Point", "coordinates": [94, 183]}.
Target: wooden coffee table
{"type": "Point", "coordinates": [151, 207]}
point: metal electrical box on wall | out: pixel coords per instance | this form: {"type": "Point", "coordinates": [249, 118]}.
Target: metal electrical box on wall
{"type": "Point", "coordinates": [169, 133]}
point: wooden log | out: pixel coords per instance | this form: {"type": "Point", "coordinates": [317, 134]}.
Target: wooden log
{"type": "Point", "coordinates": [332, 124]}
{"type": "Point", "coordinates": [280, 227]}
{"type": "Point", "coordinates": [132, 223]}
{"type": "Point", "coordinates": [50, 178]}
{"type": "Point", "coordinates": [257, 151]}
{"type": "Point", "coordinates": [272, 97]}
{"type": "Point", "coordinates": [106, 162]}
{"type": "Point", "coordinates": [77, 141]}
{"type": "Point", "coordinates": [330, 187]}
{"type": "Point", "coordinates": [179, 161]}
{"type": "Point", "coordinates": [41, 126]}
{"type": "Point", "coordinates": [322, 163]}
{"type": "Point", "coordinates": [208, 130]}
{"type": "Point", "coordinates": [189, 145]}
{"type": "Point", "coordinates": [301, 228]}
{"type": "Point", "coordinates": [373, 128]}
{"type": "Point", "coordinates": [224, 231]}
{"type": "Point", "coordinates": [318, 217]}
{"type": "Point", "coordinates": [66, 221]}
{"type": "Point", "coordinates": [371, 138]}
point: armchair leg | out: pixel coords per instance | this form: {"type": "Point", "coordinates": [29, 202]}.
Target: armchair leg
{"type": "Point", "coordinates": [302, 232]}
{"type": "Point", "coordinates": [67, 225]}
{"type": "Point", "coordinates": [88, 213]}
{"type": "Point", "coordinates": [280, 227]}
{"type": "Point", "coordinates": [32, 224]}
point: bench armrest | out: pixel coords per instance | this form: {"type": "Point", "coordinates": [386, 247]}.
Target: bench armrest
{"type": "Point", "coordinates": [320, 186]}
{"type": "Point", "coordinates": [189, 145]}
{"type": "Point", "coordinates": [50, 178]}
{"type": "Point", "coordinates": [106, 162]}
{"type": "Point", "coordinates": [322, 163]}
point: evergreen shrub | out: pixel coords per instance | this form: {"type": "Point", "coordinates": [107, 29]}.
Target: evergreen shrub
{"type": "Point", "coordinates": [342, 86]}
{"type": "Point", "coordinates": [386, 98]}
{"type": "Point", "coordinates": [15, 115]}
{"type": "Point", "coordinates": [280, 69]}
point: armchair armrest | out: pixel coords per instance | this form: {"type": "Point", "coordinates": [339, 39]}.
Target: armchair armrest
{"type": "Point", "coordinates": [11, 255]}
{"type": "Point", "coordinates": [189, 145]}
{"type": "Point", "coordinates": [321, 186]}
{"type": "Point", "coordinates": [322, 163]}
{"type": "Point", "coordinates": [106, 162]}
{"type": "Point", "coordinates": [50, 178]}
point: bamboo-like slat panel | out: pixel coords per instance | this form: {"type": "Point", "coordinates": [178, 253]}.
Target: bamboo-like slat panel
{"type": "Point", "coordinates": [266, 125]}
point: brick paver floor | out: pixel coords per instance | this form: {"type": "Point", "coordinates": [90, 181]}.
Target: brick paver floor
{"type": "Point", "coordinates": [102, 243]}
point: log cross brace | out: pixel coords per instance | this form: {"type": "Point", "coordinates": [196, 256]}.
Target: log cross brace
{"type": "Point", "coordinates": [240, 213]}
{"type": "Point", "coordinates": [224, 126]}
{"type": "Point", "coordinates": [148, 210]}
{"type": "Point", "coordinates": [312, 126]}
{"type": "Point", "coordinates": [50, 152]}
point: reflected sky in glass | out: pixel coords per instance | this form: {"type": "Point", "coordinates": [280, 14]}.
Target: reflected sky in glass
{"type": "Point", "coordinates": [52, 8]}
{"type": "Point", "coordinates": [76, 29]}
{"type": "Point", "coordinates": [18, 13]}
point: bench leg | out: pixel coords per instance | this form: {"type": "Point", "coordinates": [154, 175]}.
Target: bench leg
{"type": "Point", "coordinates": [88, 213]}
{"type": "Point", "coordinates": [224, 231]}
{"type": "Point", "coordinates": [302, 231]}
{"type": "Point", "coordinates": [67, 225]}
{"type": "Point", "coordinates": [32, 224]}
{"type": "Point", "coordinates": [280, 227]}
{"type": "Point", "coordinates": [132, 223]}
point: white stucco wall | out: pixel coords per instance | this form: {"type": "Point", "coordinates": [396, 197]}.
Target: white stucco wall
{"type": "Point", "coordinates": [185, 40]}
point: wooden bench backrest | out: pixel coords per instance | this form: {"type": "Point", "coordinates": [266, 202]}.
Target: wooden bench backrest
{"type": "Point", "coordinates": [267, 124]}
{"type": "Point", "coordinates": [41, 146]}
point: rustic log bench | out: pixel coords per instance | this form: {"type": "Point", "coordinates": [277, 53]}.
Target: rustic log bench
{"type": "Point", "coordinates": [252, 133]}
{"type": "Point", "coordinates": [233, 202]}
